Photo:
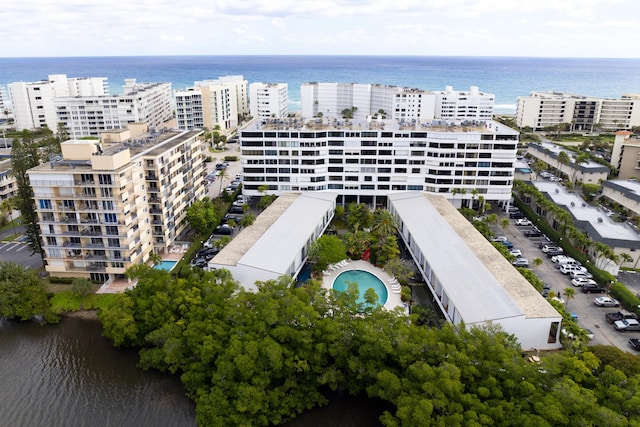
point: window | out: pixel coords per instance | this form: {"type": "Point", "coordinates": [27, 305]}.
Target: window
{"type": "Point", "coordinates": [110, 217]}
{"type": "Point", "coordinates": [45, 204]}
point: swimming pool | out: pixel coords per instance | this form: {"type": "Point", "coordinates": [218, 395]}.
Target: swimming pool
{"type": "Point", "coordinates": [165, 265]}
{"type": "Point", "coordinates": [364, 280]}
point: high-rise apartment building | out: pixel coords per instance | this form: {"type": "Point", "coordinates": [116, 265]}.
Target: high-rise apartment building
{"type": "Point", "coordinates": [268, 100]}
{"type": "Point", "coordinates": [542, 110]}
{"type": "Point", "coordinates": [364, 161]}
{"type": "Point", "coordinates": [149, 103]}
{"type": "Point", "coordinates": [33, 102]}
{"type": "Point", "coordinates": [103, 208]}
{"type": "Point", "coordinates": [393, 102]}
{"type": "Point", "coordinates": [212, 103]}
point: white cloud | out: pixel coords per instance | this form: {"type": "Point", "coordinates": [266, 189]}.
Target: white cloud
{"type": "Point", "coordinates": [417, 27]}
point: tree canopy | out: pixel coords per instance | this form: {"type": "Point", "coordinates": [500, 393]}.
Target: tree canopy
{"type": "Point", "coordinates": [252, 359]}
{"type": "Point", "coordinates": [22, 294]}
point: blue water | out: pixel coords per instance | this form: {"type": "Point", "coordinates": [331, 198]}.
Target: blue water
{"type": "Point", "coordinates": [507, 78]}
{"type": "Point", "coordinates": [365, 281]}
{"type": "Point", "coordinates": [165, 265]}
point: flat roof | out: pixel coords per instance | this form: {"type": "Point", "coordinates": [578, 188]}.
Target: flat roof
{"type": "Point", "coordinates": [597, 221]}
{"type": "Point", "coordinates": [482, 284]}
{"type": "Point", "coordinates": [330, 123]}
{"type": "Point", "coordinates": [554, 150]}
{"type": "Point", "coordinates": [274, 240]}
{"type": "Point", "coordinates": [630, 188]}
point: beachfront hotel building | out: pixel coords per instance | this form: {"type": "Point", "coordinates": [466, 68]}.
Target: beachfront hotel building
{"type": "Point", "coordinates": [365, 161]}
{"type": "Point", "coordinates": [148, 103]}
{"type": "Point", "coordinates": [103, 208]}
{"type": "Point", "coordinates": [542, 110]}
{"type": "Point", "coordinates": [211, 103]}
{"type": "Point", "coordinates": [393, 102]}
{"type": "Point", "coordinates": [268, 100]}
{"type": "Point", "coordinates": [33, 102]}
{"type": "Point", "coordinates": [488, 290]}
{"type": "Point", "coordinates": [278, 242]}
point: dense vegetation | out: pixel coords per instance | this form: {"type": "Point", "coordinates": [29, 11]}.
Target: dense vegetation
{"type": "Point", "coordinates": [261, 358]}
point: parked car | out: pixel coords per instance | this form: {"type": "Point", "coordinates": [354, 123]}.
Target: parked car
{"type": "Point", "coordinates": [236, 210]}
{"type": "Point", "coordinates": [508, 244]}
{"type": "Point", "coordinates": [223, 229]}
{"type": "Point", "coordinates": [516, 215]}
{"type": "Point", "coordinates": [545, 290]}
{"type": "Point", "coordinates": [198, 262]}
{"type": "Point", "coordinates": [625, 325]}
{"type": "Point", "coordinates": [579, 281]}
{"type": "Point", "coordinates": [523, 221]}
{"type": "Point", "coordinates": [589, 333]}
{"type": "Point", "coordinates": [499, 239]}
{"type": "Point", "coordinates": [568, 262]}
{"type": "Point", "coordinates": [635, 343]}
{"type": "Point", "coordinates": [516, 253]}
{"type": "Point", "coordinates": [553, 252]}
{"type": "Point", "coordinates": [533, 233]}
{"type": "Point", "coordinates": [584, 274]}
{"type": "Point", "coordinates": [557, 258]}
{"type": "Point", "coordinates": [566, 269]}
{"type": "Point", "coordinates": [546, 248]}
{"type": "Point", "coordinates": [614, 316]}
{"type": "Point", "coordinates": [606, 302]}
{"type": "Point", "coordinates": [521, 262]}
{"type": "Point", "coordinates": [592, 288]}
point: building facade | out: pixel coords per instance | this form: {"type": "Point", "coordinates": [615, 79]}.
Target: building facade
{"type": "Point", "coordinates": [212, 103]}
{"type": "Point", "coordinates": [366, 161]}
{"type": "Point", "coordinates": [589, 172]}
{"type": "Point", "coordinates": [542, 110]}
{"type": "Point", "coordinates": [268, 100]}
{"type": "Point", "coordinates": [150, 103]}
{"type": "Point", "coordinates": [625, 155]}
{"type": "Point", "coordinates": [488, 290]}
{"type": "Point", "coordinates": [103, 208]}
{"type": "Point", "coordinates": [33, 102]}
{"type": "Point", "coordinates": [453, 105]}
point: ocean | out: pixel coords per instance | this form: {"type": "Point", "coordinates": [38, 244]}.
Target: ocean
{"type": "Point", "coordinates": [505, 77]}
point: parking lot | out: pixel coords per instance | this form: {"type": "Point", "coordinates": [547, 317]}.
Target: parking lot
{"type": "Point", "coordinates": [589, 315]}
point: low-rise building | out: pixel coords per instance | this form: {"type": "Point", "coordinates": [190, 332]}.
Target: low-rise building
{"type": "Point", "coordinates": [597, 224]}
{"type": "Point", "coordinates": [103, 208]}
{"type": "Point", "coordinates": [625, 192]}
{"type": "Point", "coordinates": [625, 155]}
{"type": "Point", "coordinates": [488, 290]}
{"type": "Point", "coordinates": [278, 242]}
{"type": "Point", "coordinates": [8, 186]}
{"type": "Point", "coordinates": [588, 172]}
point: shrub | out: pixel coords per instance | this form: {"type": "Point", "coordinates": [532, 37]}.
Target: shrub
{"type": "Point", "coordinates": [627, 298]}
{"type": "Point", "coordinates": [405, 294]}
{"type": "Point", "coordinates": [230, 158]}
{"type": "Point", "coordinates": [61, 280]}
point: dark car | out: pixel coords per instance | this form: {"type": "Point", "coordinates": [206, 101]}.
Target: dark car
{"type": "Point", "coordinates": [533, 233]}
{"type": "Point", "coordinates": [223, 229]}
{"type": "Point", "coordinates": [589, 288]}
{"type": "Point", "coordinates": [614, 316]}
{"type": "Point", "coordinates": [516, 215]}
{"type": "Point", "coordinates": [236, 210]}
{"type": "Point", "coordinates": [554, 252]}
{"type": "Point", "coordinates": [198, 262]}
{"type": "Point", "coordinates": [508, 244]}
{"type": "Point", "coordinates": [635, 343]}
{"type": "Point", "coordinates": [207, 254]}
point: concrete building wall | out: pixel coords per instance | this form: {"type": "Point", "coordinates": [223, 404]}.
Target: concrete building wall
{"type": "Point", "coordinates": [268, 100]}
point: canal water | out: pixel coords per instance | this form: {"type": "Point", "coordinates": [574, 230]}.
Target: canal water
{"type": "Point", "coordinates": [69, 375]}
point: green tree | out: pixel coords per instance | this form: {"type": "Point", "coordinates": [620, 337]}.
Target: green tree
{"type": "Point", "coordinates": [326, 250]}
{"type": "Point", "coordinates": [22, 294]}
{"type": "Point", "coordinates": [24, 156]}
{"type": "Point", "coordinates": [569, 294]}
{"type": "Point", "coordinates": [247, 220]}
{"type": "Point", "coordinates": [384, 224]}
{"type": "Point", "coordinates": [81, 287]}
{"type": "Point", "coordinates": [7, 206]}
{"type": "Point", "coordinates": [202, 216]}
{"type": "Point", "coordinates": [358, 216]}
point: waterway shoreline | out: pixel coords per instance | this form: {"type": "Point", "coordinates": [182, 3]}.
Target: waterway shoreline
{"type": "Point", "coordinates": [82, 314]}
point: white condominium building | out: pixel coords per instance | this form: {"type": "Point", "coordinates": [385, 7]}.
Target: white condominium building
{"type": "Point", "coordinates": [105, 207]}
{"type": "Point", "coordinates": [452, 105]}
{"type": "Point", "coordinates": [33, 102]}
{"type": "Point", "coordinates": [368, 160]}
{"type": "Point", "coordinates": [150, 103]}
{"type": "Point", "coordinates": [580, 113]}
{"type": "Point", "coordinates": [365, 100]}
{"type": "Point", "coordinates": [268, 100]}
{"type": "Point", "coordinates": [212, 103]}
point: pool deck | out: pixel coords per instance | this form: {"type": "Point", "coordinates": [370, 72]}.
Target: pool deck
{"type": "Point", "coordinates": [393, 299]}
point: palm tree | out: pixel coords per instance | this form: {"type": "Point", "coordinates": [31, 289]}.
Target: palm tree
{"type": "Point", "coordinates": [384, 224]}
{"type": "Point", "coordinates": [6, 207]}
{"type": "Point", "coordinates": [580, 158]}
{"type": "Point", "coordinates": [563, 159]}
{"type": "Point", "coordinates": [222, 176]}
{"type": "Point", "coordinates": [569, 293]}
{"type": "Point", "coordinates": [537, 262]}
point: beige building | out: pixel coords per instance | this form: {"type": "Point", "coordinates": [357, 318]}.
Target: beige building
{"type": "Point", "coordinates": [589, 172]}
{"type": "Point", "coordinates": [625, 156]}
{"type": "Point", "coordinates": [103, 208]}
{"type": "Point", "coordinates": [8, 187]}
{"type": "Point", "coordinates": [540, 110]}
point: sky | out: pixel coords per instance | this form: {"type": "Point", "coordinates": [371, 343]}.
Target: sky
{"type": "Point", "coordinates": [531, 28]}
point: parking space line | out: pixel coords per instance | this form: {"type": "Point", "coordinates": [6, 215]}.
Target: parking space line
{"type": "Point", "coordinates": [13, 246]}
{"type": "Point", "coordinates": [22, 247]}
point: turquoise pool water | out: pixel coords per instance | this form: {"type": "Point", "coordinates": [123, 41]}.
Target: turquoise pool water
{"type": "Point", "coordinates": [165, 265]}
{"type": "Point", "coordinates": [364, 280]}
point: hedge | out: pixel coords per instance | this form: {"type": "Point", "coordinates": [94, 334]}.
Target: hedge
{"type": "Point", "coordinates": [627, 299]}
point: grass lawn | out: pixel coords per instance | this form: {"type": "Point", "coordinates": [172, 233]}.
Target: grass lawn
{"type": "Point", "coordinates": [66, 301]}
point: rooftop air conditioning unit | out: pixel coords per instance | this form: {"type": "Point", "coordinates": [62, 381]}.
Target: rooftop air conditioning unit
{"type": "Point", "coordinates": [599, 219]}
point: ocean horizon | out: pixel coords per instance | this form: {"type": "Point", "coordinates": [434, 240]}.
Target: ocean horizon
{"type": "Point", "coordinates": [506, 77]}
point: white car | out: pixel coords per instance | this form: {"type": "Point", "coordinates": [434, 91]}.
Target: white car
{"type": "Point", "coordinates": [567, 268]}
{"type": "Point", "coordinates": [606, 302]}
{"type": "Point", "coordinates": [523, 221]}
{"type": "Point", "coordinates": [583, 274]}
{"type": "Point", "coordinates": [499, 239]}
{"type": "Point", "coordinates": [557, 258]}
{"type": "Point", "coordinates": [579, 281]}
{"type": "Point", "coordinates": [521, 262]}
{"type": "Point", "coordinates": [516, 253]}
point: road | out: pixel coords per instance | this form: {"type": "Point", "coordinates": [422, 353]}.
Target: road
{"type": "Point", "coordinates": [214, 188]}
{"type": "Point", "coordinates": [590, 316]}
{"type": "Point", "coordinates": [18, 252]}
